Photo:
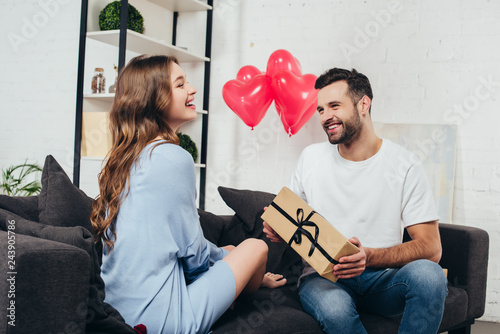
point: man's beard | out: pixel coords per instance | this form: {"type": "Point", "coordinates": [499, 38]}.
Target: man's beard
{"type": "Point", "coordinates": [351, 129]}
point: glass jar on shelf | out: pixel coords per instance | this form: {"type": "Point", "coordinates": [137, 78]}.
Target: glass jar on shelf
{"type": "Point", "coordinates": [98, 81]}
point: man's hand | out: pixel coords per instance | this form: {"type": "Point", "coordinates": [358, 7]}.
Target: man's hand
{"type": "Point", "coordinates": [351, 265]}
{"type": "Point", "coordinates": [271, 234]}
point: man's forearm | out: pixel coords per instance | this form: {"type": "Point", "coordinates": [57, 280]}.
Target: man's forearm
{"type": "Point", "coordinates": [398, 256]}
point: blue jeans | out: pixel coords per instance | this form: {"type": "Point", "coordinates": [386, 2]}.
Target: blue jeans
{"type": "Point", "coordinates": [417, 291]}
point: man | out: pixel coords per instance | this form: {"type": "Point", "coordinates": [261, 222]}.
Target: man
{"type": "Point", "coordinates": [370, 189]}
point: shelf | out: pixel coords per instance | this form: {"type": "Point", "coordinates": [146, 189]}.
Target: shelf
{"type": "Point", "coordinates": [182, 6]}
{"type": "Point", "coordinates": [140, 43]}
{"type": "Point", "coordinates": [106, 97]}
{"type": "Point", "coordinates": [109, 97]}
{"type": "Point", "coordinates": [92, 158]}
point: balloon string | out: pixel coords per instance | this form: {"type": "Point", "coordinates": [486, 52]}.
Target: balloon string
{"type": "Point", "coordinates": [255, 145]}
{"type": "Point", "coordinates": [289, 147]}
{"type": "Point", "coordinates": [290, 132]}
{"type": "Point", "coordinates": [277, 150]}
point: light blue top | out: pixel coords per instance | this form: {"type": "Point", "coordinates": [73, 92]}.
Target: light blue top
{"type": "Point", "coordinates": [159, 244]}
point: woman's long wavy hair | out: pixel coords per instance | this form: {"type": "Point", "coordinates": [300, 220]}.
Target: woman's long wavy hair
{"type": "Point", "coordinates": [137, 117]}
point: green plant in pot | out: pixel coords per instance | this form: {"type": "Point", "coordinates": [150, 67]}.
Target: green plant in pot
{"type": "Point", "coordinates": [109, 19]}
{"type": "Point", "coordinates": [16, 180]}
{"type": "Point", "coordinates": [188, 144]}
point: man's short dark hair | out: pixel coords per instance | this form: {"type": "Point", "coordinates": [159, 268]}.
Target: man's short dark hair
{"type": "Point", "coordinates": [358, 83]}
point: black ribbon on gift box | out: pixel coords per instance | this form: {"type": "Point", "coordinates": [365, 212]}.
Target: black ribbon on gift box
{"type": "Point", "coordinates": [297, 236]}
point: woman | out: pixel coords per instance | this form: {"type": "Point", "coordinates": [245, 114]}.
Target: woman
{"type": "Point", "coordinates": [158, 268]}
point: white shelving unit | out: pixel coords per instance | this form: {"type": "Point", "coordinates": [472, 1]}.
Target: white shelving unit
{"type": "Point", "coordinates": [144, 44]}
{"type": "Point", "coordinates": [182, 6]}
{"type": "Point", "coordinates": [91, 136]}
{"type": "Point", "coordinates": [106, 97]}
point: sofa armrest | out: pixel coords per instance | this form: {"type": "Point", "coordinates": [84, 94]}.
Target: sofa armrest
{"type": "Point", "coordinates": [50, 288]}
{"type": "Point", "coordinates": [465, 255]}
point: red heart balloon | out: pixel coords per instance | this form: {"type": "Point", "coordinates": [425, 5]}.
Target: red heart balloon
{"type": "Point", "coordinates": [282, 60]}
{"type": "Point", "coordinates": [246, 73]}
{"type": "Point", "coordinates": [291, 130]}
{"type": "Point", "coordinates": [249, 99]}
{"type": "Point", "coordinates": [293, 96]}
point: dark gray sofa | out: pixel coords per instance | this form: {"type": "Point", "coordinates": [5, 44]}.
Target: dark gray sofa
{"type": "Point", "coordinates": [58, 289]}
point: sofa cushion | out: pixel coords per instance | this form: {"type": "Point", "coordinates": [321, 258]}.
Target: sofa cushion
{"type": "Point", "coordinates": [376, 324]}
{"type": "Point", "coordinates": [26, 207]}
{"type": "Point", "coordinates": [267, 311]}
{"type": "Point", "coordinates": [74, 235]}
{"type": "Point", "coordinates": [455, 307]}
{"type": "Point", "coordinates": [61, 203]}
{"type": "Point", "coordinates": [52, 284]}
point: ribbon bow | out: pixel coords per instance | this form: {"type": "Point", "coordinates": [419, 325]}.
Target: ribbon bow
{"type": "Point", "coordinates": [297, 236]}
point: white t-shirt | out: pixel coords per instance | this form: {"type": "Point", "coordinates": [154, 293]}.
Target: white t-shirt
{"type": "Point", "coordinates": [372, 199]}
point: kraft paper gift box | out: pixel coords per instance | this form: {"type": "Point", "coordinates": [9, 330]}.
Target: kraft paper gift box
{"type": "Point", "coordinates": [307, 232]}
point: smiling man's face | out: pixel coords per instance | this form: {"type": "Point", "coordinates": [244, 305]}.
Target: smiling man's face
{"type": "Point", "coordinates": [338, 115]}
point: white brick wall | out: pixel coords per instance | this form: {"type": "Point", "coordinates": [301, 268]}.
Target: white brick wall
{"type": "Point", "coordinates": [427, 62]}
{"type": "Point", "coordinates": [39, 48]}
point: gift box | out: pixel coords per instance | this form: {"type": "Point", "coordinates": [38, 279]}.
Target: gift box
{"type": "Point", "coordinates": [307, 232]}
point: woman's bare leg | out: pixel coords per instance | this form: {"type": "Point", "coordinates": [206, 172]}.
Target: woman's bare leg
{"type": "Point", "coordinates": [270, 280]}
{"type": "Point", "coordinates": [248, 263]}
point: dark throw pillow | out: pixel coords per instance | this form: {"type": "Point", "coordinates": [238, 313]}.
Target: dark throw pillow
{"type": "Point", "coordinates": [26, 207]}
{"type": "Point", "coordinates": [61, 203]}
{"type": "Point", "coordinates": [248, 205]}
{"type": "Point", "coordinates": [211, 225]}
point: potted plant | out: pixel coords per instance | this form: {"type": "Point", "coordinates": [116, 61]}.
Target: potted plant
{"type": "Point", "coordinates": [18, 180]}
{"type": "Point", "coordinates": [109, 18]}
{"type": "Point", "coordinates": [188, 144]}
